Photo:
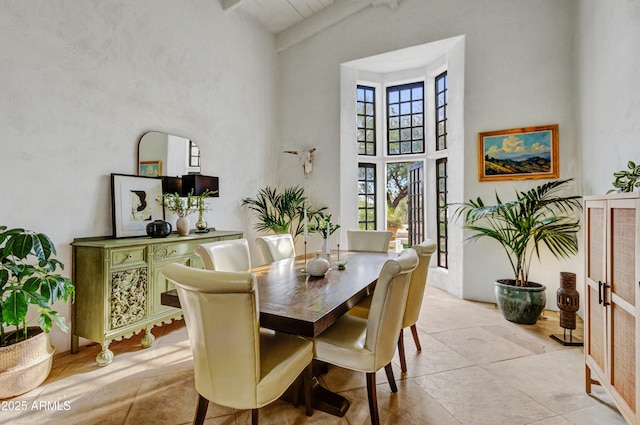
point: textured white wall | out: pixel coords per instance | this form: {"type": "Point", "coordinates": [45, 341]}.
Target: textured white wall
{"type": "Point", "coordinates": [518, 72]}
{"type": "Point", "coordinates": [81, 81]}
{"type": "Point", "coordinates": [608, 104]}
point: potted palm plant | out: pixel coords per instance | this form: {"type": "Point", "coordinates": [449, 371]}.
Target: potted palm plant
{"type": "Point", "coordinates": [28, 278]}
{"type": "Point", "coordinates": [281, 212]}
{"type": "Point", "coordinates": [537, 218]}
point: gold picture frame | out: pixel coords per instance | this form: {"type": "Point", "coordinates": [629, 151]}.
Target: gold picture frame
{"type": "Point", "coordinates": [150, 168]}
{"type": "Point", "coordinates": [519, 154]}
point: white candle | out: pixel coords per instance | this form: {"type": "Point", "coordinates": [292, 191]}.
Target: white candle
{"type": "Point", "coordinates": [304, 238]}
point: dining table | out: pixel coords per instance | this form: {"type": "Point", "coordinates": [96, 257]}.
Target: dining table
{"type": "Point", "coordinates": [292, 301]}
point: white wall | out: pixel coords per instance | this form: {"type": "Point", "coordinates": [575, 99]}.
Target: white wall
{"type": "Point", "coordinates": [81, 81]}
{"type": "Point", "coordinates": [518, 72]}
{"type": "Point", "coordinates": [608, 104]}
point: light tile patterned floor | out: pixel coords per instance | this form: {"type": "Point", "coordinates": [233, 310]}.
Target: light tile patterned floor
{"type": "Point", "coordinates": [475, 368]}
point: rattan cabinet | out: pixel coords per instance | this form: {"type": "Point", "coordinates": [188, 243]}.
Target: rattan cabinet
{"type": "Point", "coordinates": [118, 285]}
{"type": "Point", "coordinates": [612, 298]}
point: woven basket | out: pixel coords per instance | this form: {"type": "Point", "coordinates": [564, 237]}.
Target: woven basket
{"type": "Point", "coordinates": [25, 365]}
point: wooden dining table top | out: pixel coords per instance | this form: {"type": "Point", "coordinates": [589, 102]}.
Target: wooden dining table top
{"type": "Point", "coordinates": [291, 301]}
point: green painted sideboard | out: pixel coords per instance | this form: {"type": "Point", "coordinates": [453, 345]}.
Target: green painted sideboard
{"type": "Point", "coordinates": [118, 285]}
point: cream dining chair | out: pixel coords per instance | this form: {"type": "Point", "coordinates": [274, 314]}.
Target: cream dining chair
{"type": "Point", "coordinates": [367, 345]}
{"type": "Point", "coordinates": [276, 247]}
{"type": "Point", "coordinates": [236, 363]}
{"type": "Point", "coordinates": [414, 299]}
{"type": "Point", "coordinates": [225, 256]}
{"type": "Point", "coordinates": [368, 240]}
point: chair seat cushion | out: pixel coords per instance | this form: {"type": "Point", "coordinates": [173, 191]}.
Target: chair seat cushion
{"type": "Point", "coordinates": [282, 358]}
{"type": "Point", "coordinates": [342, 344]}
{"type": "Point", "coordinates": [362, 308]}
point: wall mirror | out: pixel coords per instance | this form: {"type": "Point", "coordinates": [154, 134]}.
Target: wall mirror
{"type": "Point", "coordinates": [161, 154]}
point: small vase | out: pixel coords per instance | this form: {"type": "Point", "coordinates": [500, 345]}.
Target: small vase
{"type": "Point", "coordinates": [326, 249]}
{"type": "Point", "coordinates": [182, 226]}
{"type": "Point", "coordinates": [159, 229]}
{"type": "Point", "coordinates": [317, 266]}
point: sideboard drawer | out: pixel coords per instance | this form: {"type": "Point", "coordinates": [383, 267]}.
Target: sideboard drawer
{"type": "Point", "coordinates": [127, 256]}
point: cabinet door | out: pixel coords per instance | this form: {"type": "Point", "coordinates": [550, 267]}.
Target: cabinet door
{"type": "Point", "coordinates": [161, 284]}
{"type": "Point", "coordinates": [621, 299]}
{"type": "Point", "coordinates": [595, 219]}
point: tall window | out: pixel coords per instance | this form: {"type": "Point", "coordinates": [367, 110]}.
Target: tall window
{"type": "Point", "coordinates": [405, 119]}
{"type": "Point", "coordinates": [367, 196]}
{"type": "Point", "coordinates": [442, 218]}
{"type": "Point", "coordinates": [441, 111]}
{"type": "Point", "coordinates": [366, 117]}
{"type": "Point", "coordinates": [194, 154]}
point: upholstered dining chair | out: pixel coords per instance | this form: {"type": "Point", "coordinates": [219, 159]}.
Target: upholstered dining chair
{"type": "Point", "coordinates": [276, 247]}
{"type": "Point", "coordinates": [367, 345]}
{"type": "Point", "coordinates": [236, 363]}
{"type": "Point", "coordinates": [225, 256]}
{"type": "Point", "coordinates": [368, 240]}
{"type": "Point", "coordinates": [414, 299]}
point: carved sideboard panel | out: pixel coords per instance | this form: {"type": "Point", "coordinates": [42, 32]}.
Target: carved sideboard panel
{"type": "Point", "coordinates": [118, 285]}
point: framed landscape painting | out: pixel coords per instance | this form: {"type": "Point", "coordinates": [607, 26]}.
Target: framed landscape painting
{"type": "Point", "coordinates": [519, 154]}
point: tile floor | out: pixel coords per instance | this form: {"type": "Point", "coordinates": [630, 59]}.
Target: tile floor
{"type": "Point", "coordinates": [475, 368]}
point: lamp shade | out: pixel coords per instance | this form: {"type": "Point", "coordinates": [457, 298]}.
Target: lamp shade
{"type": "Point", "coordinates": [197, 184]}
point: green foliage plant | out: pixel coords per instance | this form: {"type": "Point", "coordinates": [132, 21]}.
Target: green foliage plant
{"type": "Point", "coordinates": [626, 181]}
{"type": "Point", "coordinates": [281, 211]}
{"type": "Point", "coordinates": [28, 278]}
{"type": "Point", "coordinates": [323, 224]}
{"type": "Point", "coordinates": [538, 217]}
{"type": "Point", "coordinates": [183, 206]}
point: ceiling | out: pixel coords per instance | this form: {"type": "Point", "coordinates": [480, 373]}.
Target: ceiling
{"type": "Point", "coordinates": [278, 15]}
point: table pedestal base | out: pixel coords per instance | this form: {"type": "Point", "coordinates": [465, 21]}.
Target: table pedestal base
{"type": "Point", "coordinates": [327, 401]}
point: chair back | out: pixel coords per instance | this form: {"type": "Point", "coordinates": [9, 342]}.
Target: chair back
{"type": "Point", "coordinates": [276, 247]}
{"type": "Point", "coordinates": [222, 319]}
{"type": "Point", "coordinates": [368, 240]}
{"type": "Point", "coordinates": [418, 282]}
{"type": "Point", "coordinates": [225, 256]}
{"type": "Point", "coordinates": [387, 306]}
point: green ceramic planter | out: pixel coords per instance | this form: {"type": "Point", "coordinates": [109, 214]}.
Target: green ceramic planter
{"type": "Point", "coordinates": [520, 304]}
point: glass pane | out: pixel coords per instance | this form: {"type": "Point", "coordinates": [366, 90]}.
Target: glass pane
{"type": "Point", "coordinates": [440, 84]}
{"type": "Point", "coordinates": [405, 95]}
{"type": "Point", "coordinates": [405, 147]}
{"type": "Point", "coordinates": [368, 96]}
{"type": "Point", "coordinates": [360, 121]}
{"type": "Point", "coordinates": [370, 149]}
{"type": "Point", "coordinates": [418, 146]}
{"type": "Point", "coordinates": [441, 168]}
{"type": "Point", "coordinates": [417, 93]}
{"type": "Point", "coordinates": [417, 133]}
{"type": "Point", "coordinates": [441, 128]}
{"type": "Point", "coordinates": [441, 185]}
{"type": "Point", "coordinates": [362, 200]}
{"type": "Point", "coordinates": [405, 108]}
{"type": "Point", "coordinates": [394, 148]}
{"type": "Point", "coordinates": [362, 215]}
{"type": "Point", "coordinates": [394, 110]}
{"type": "Point", "coordinates": [417, 120]}
{"type": "Point", "coordinates": [361, 135]}
{"type": "Point", "coordinates": [361, 173]}
{"type": "Point", "coordinates": [371, 215]}
{"type": "Point", "coordinates": [394, 122]}
{"type": "Point", "coordinates": [360, 108]}
{"type": "Point", "coordinates": [442, 143]}
{"type": "Point", "coordinates": [362, 187]}
{"type": "Point", "coordinates": [440, 99]}
{"type": "Point", "coordinates": [359, 94]}
{"type": "Point", "coordinates": [371, 136]}
{"type": "Point", "coordinates": [371, 188]}
{"type": "Point", "coordinates": [369, 109]}
{"type": "Point", "coordinates": [370, 122]}
{"type": "Point", "coordinates": [405, 134]}
{"type": "Point", "coordinates": [405, 121]}
{"type": "Point", "coordinates": [361, 148]}
{"type": "Point", "coordinates": [440, 114]}
{"type": "Point", "coordinates": [393, 97]}
{"type": "Point", "coordinates": [417, 107]}
{"type": "Point", "coordinates": [371, 200]}
{"type": "Point", "coordinates": [394, 135]}
{"type": "Point", "coordinates": [370, 173]}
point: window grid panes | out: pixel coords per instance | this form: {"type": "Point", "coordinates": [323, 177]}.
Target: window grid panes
{"type": "Point", "coordinates": [194, 155]}
{"type": "Point", "coordinates": [366, 196]}
{"type": "Point", "coordinates": [366, 120]}
{"type": "Point", "coordinates": [443, 230]}
{"type": "Point", "coordinates": [441, 85]}
{"type": "Point", "coordinates": [405, 119]}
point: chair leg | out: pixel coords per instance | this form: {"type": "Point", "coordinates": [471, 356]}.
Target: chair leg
{"type": "Point", "coordinates": [373, 398]}
{"type": "Point", "coordinates": [403, 359]}
{"type": "Point", "coordinates": [392, 380]}
{"type": "Point", "coordinates": [414, 332]}
{"type": "Point", "coordinates": [201, 410]}
{"type": "Point", "coordinates": [254, 416]}
{"type": "Point", "coordinates": [307, 385]}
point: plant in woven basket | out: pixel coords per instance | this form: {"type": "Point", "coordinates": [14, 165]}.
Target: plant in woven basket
{"type": "Point", "coordinates": [28, 278]}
